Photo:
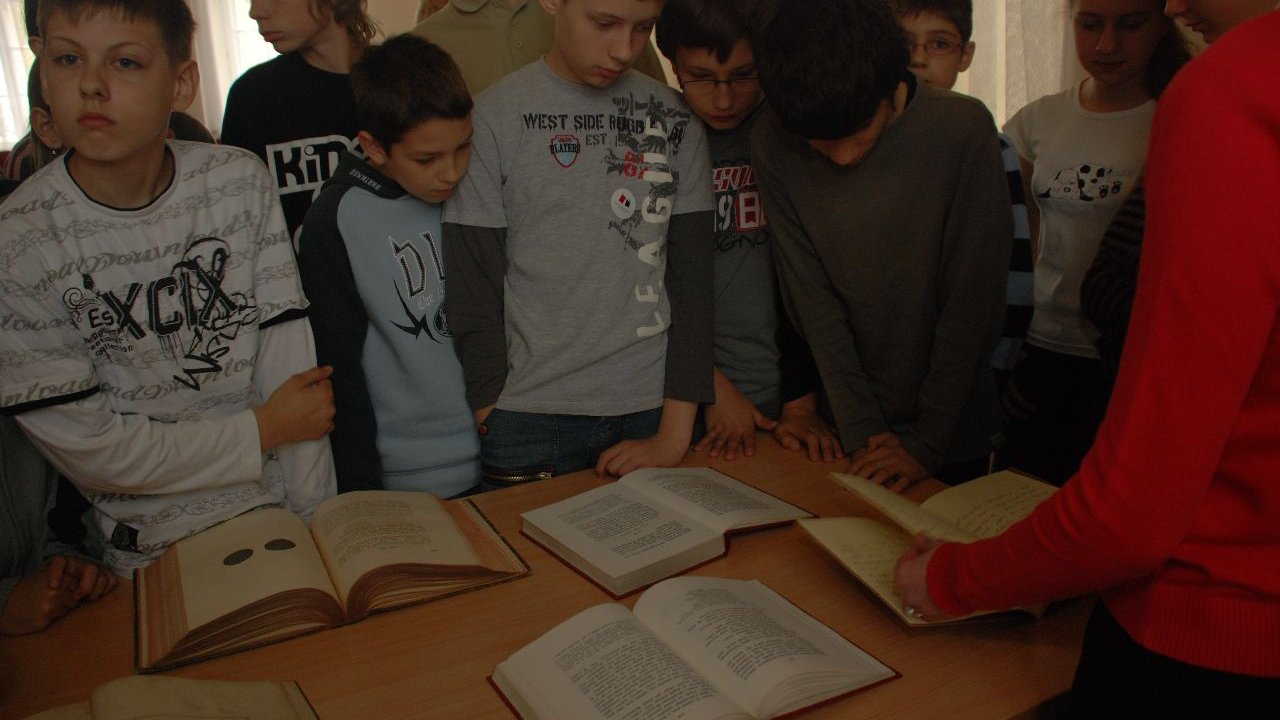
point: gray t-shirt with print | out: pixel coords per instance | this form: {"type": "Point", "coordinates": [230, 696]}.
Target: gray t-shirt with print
{"type": "Point", "coordinates": [746, 286]}
{"type": "Point", "coordinates": [585, 181]}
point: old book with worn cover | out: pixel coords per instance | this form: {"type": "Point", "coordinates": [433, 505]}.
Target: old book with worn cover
{"type": "Point", "coordinates": [652, 524]}
{"type": "Point", "coordinates": [150, 698]}
{"type": "Point", "coordinates": [264, 576]}
{"type": "Point", "coordinates": [977, 509]}
{"type": "Point", "coordinates": [696, 648]}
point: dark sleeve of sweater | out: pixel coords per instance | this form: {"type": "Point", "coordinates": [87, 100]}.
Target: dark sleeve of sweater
{"type": "Point", "coordinates": [799, 373]}
{"type": "Point", "coordinates": [690, 360]}
{"type": "Point", "coordinates": [813, 305]}
{"type": "Point", "coordinates": [475, 260]}
{"type": "Point", "coordinates": [973, 290]}
{"type": "Point", "coordinates": [340, 324]}
{"type": "Point", "coordinates": [1106, 295]}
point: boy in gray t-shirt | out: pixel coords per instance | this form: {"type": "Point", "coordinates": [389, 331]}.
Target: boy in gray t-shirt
{"type": "Point", "coordinates": [578, 252]}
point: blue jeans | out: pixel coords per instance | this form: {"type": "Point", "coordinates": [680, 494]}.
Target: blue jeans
{"type": "Point", "coordinates": [517, 447]}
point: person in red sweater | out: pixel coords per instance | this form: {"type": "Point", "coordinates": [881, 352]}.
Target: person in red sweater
{"type": "Point", "coordinates": [1175, 512]}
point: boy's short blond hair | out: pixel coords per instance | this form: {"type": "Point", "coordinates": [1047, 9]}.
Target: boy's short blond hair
{"type": "Point", "coordinates": [172, 18]}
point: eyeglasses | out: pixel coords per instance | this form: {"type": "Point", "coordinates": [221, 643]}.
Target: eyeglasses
{"type": "Point", "coordinates": [742, 83]}
{"type": "Point", "coordinates": [935, 46]}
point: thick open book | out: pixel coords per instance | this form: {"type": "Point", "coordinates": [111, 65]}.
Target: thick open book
{"type": "Point", "coordinates": [263, 576]}
{"type": "Point", "coordinates": [652, 524]}
{"type": "Point", "coordinates": [698, 648]}
{"type": "Point", "coordinates": [870, 549]}
{"type": "Point", "coordinates": [149, 698]}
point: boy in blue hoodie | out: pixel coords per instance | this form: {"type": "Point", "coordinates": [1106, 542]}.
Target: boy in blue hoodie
{"type": "Point", "coordinates": [370, 261]}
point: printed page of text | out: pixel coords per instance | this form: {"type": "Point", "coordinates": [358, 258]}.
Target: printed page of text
{"type": "Point", "coordinates": [621, 531]}
{"type": "Point", "coordinates": [603, 663]}
{"type": "Point", "coordinates": [754, 645]}
{"type": "Point", "coordinates": [712, 498]}
{"type": "Point", "coordinates": [358, 532]}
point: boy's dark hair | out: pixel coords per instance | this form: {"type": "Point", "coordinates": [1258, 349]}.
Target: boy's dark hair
{"type": "Point", "coordinates": [405, 82]}
{"type": "Point", "coordinates": [826, 66]}
{"type": "Point", "coordinates": [172, 17]}
{"type": "Point", "coordinates": [957, 12]}
{"type": "Point", "coordinates": [1172, 52]}
{"type": "Point", "coordinates": [715, 25]}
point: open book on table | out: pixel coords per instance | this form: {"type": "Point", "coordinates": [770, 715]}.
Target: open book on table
{"type": "Point", "coordinates": [150, 698]}
{"type": "Point", "coordinates": [652, 524]}
{"type": "Point", "coordinates": [977, 509]}
{"type": "Point", "coordinates": [698, 648]}
{"type": "Point", "coordinates": [263, 576]}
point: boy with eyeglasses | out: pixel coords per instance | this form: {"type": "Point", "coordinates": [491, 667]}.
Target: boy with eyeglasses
{"type": "Point", "coordinates": [891, 228]}
{"type": "Point", "coordinates": [938, 36]}
{"type": "Point", "coordinates": [764, 376]}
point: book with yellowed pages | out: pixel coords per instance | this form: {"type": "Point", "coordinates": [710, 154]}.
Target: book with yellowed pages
{"type": "Point", "coordinates": [651, 524]}
{"type": "Point", "coordinates": [148, 698]}
{"type": "Point", "coordinates": [977, 509]}
{"type": "Point", "coordinates": [697, 648]}
{"type": "Point", "coordinates": [264, 576]}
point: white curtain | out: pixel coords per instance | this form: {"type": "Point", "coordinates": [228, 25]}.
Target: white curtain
{"type": "Point", "coordinates": [1024, 51]}
{"type": "Point", "coordinates": [227, 44]}
{"type": "Point", "coordinates": [15, 63]}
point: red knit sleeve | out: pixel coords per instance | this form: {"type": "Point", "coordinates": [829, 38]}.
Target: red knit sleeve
{"type": "Point", "coordinates": [1204, 317]}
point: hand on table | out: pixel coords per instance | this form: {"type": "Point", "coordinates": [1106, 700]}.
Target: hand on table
{"type": "Point", "coordinates": [656, 451]}
{"type": "Point", "coordinates": [801, 428]}
{"type": "Point", "coordinates": [886, 462]}
{"type": "Point", "coordinates": [44, 596]}
{"type": "Point", "coordinates": [732, 421]}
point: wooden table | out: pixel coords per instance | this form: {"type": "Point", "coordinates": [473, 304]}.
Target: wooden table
{"type": "Point", "coordinates": [432, 660]}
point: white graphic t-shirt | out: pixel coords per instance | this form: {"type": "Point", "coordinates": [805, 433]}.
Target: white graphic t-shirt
{"type": "Point", "coordinates": [1085, 164]}
{"type": "Point", "coordinates": [585, 181]}
{"type": "Point", "coordinates": [157, 330]}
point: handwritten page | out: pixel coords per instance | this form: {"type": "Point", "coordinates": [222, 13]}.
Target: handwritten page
{"type": "Point", "coordinates": [868, 548]}
{"type": "Point", "coordinates": [985, 507]}
{"type": "Point", "coordinates": [909, 516]}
